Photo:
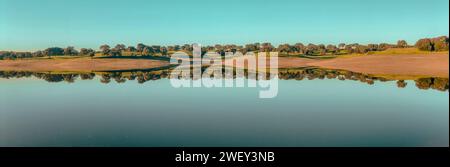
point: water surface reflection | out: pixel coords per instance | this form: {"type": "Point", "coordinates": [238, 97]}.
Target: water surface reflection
{"type": "Point", "coordinates": [425, 83]}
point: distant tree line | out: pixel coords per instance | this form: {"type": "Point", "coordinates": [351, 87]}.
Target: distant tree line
{"type": "Point", "coordinates": [426, 44]}
{"type": "Point", "coordinates": [140, 49]}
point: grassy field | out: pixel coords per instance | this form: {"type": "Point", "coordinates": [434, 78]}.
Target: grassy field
{"type": "Point", "coordinates": [391, 51]}
{"type": "Point", "coordinates": [402, 51]}
{"type": "Point", "coordinates": [394, 51]}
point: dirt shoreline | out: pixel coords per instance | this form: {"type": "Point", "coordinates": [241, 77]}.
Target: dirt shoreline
{"type": "Point", "coordinates": [79, 64]}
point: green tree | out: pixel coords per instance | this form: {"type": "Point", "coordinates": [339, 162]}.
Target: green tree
{"type": "Point", "coordinates": [440, 43]}
{"type": "Point", "coordinates": [120, 47]}
{"type": "Point", "coordinates": [402, 44]}
{"type": "Point", "coordinates": [105, 49]}
{"type": "Point", "coordinates": [425, 44]}
{"type": "Point", "coordinates": [53, 51]}
{"type": "Point", "coordinates": [70, 51]}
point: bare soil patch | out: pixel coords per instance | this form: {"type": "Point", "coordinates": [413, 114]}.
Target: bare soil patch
{"type": "Point", "coordinates": [79, 64]}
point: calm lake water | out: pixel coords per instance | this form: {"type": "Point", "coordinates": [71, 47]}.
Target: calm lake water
{"type": "Point", "coordinates": [317, 112]}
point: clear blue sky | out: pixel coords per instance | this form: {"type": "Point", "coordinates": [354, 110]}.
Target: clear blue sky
{"type": "Point", "coordinates": [38, 24]}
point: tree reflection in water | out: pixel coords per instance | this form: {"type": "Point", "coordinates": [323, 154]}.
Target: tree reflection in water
{"type": "Point", "coordinates": [299, 74]}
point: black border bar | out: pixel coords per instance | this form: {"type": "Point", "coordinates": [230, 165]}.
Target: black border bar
{"type": "Point", "coordinates": [283, 156]}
